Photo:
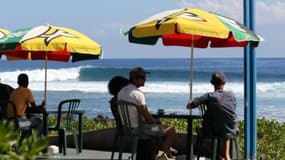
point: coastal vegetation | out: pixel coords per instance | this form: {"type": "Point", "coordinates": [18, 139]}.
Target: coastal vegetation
{"type": "Point", "coordinates": [270, 134]}
{"type": "Point", "coordinates": [10, 148]}
{"type": "Point", "coordinates": [270, 137]}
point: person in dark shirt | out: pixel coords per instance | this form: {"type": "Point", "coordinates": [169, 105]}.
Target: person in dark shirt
{"type": "Point", "coordinates": [221, 110]}
{"type": "Point", "coordinates": [114, 86]}
{"type": "Point", "coordinates": [5, 91]}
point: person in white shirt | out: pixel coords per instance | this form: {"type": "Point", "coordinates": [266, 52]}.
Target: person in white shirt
{"type": "Point", "coordinates": [132, 93]}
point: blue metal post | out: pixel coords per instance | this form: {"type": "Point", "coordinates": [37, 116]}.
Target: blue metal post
{"type": "Point", "coordinates": [246, 86]}
{"type": "Point", "coordinates": [252, 84]}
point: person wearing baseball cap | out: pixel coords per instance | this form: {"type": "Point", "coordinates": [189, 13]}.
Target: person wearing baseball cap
{"type": "Point", "coordinates": [138, 75]}
{"type": "Point", "coordinates": [132, 93]}
{"type": "Point", "coordinates": [220, 117]}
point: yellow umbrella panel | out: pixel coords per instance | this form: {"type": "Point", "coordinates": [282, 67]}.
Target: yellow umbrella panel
{"type": "Point", "coordinates": [187, 21]}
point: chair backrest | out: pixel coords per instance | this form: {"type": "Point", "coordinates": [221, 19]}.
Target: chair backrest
{"type": "Point", "coordinates": [66, 112]}
{"type": "Point", "coordinates": [211, 123]}
{"type": "Point", "coordinates": [207, 123]}
{"type": "Point", "coordinates": [202, 109]}
{"type": "Point", "coordinates": [114, 109]}
{"type": "Point", "coordinates": [130, 115]}
{"type": "Point", "coordinates": [12, 109]}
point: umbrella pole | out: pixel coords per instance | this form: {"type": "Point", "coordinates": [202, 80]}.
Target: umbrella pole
{"type": "Point", "coordinates": [191, 70]}
{"type": "Point", "coordinates": [46, 65]}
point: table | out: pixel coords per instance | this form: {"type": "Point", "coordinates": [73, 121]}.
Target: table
{"type": "Point", "coordinates": [189, 128]}
{"type": "Point", "coordinates": [80, 126]}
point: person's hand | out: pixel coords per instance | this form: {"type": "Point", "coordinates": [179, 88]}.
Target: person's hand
{"type": "Point", "coordinates": [43, 105]}
{"type": "Point", "coordinates": [189, 105]}
{"type": "Point", "coordinates": [157, 121]}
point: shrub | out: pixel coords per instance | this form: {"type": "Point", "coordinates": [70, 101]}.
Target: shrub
{"type": "Point", "coordinates": [11, 149]}
{"type": "Point", "coordinates": [270, 134]}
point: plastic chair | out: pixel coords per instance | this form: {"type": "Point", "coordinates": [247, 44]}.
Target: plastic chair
{"type": "Point", "coordinates": [233, 141]}
{"type": "Point", "coordinates": [12, 107]}
{"type": "Point", "coordinates": [200, 136]}
{"type": "Point", "coordinates": [23, 124]}
{"type": "Point", "coordinates": [135, 128]}
{"type": "Point", "coordinates": [119, 127]}
{"type": "Point", "coordinates": [65, 123]}
{"type": "Point", "coordinates": [215, 139]}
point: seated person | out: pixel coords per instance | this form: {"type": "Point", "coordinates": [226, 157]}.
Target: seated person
{"type": "Point", "coordinates": [114, 86]}
{"type": "Point", "coordinates": [5, 91]}
{"type": "Point", "coordinates": [132, 93]}
{"type": "Point", "coordinates": [221, 105]}
{"type": "Point", "coordinates": [22, 97]}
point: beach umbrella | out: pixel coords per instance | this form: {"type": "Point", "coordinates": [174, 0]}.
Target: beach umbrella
{"type": "Point", "coordinates": [48, 42]}
{"type": "Point", "coordinates": [192, 27]}
{"type": "Point", "coordinates": [3, 32]}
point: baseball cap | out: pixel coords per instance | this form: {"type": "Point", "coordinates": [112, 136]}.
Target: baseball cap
{"type": "Point", "coordinates": [137, 72]}
{"type": "Point", "coordinates": [218, 78]}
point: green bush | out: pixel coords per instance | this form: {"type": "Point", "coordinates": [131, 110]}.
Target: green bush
{"type": "Point", "coordinates": [11, 149]}
{"type": "Point", "coordinates": [271, 139]}
{"type": "Point", "coordinates": [270, 134]}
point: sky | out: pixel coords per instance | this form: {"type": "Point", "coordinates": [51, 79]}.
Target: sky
{"type": "Point", "coordinates": [102, 21]}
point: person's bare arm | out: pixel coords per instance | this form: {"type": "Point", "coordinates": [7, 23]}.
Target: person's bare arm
{"type": "Point", "coordinates": [33, 104]}
{"type": "Point", "coordinates": [148, 117]}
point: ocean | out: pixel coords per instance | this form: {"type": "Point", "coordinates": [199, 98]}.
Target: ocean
{"type": "Point", "coordinates": [167, 87]}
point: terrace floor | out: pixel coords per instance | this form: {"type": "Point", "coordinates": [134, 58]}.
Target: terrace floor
{"type": "Point", "coordinates": [94, 155]}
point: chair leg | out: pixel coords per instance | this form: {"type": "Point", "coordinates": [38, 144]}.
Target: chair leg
{"type": "Point", "coordinates": [232, 148]}
{"type": "Point", "coordinates": [215, 148]}
{"type": "Point", "coordinates": [75, 141]}
{"type": "Point", "coordinates": [62, 142]}
{"type": "Point", "coordinates": [115, 146]}
{"type": "Point", "coordinates": [198, 145]}
{"type": "Point", "coordinates": [120, 156]}
{"type": "Point", "coordinates": [121, 146]}
{"type": "Point", "coordinates": [236, 148]}
{"type": "Point", "coordinates": [134, 148]}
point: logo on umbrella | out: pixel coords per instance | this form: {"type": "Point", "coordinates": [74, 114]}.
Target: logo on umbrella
{"type": "Point", "coordinates": [1, 34]}
{"type": "Point", "coordinates": [39, 32]}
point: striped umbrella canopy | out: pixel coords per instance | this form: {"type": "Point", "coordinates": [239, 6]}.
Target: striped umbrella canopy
{"type": "Point", "coordinates": [51, 42]}
{"type": "Point", "coordinates": [192, 27]}
{"type": "Point", "coordinates": [48, 42]}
